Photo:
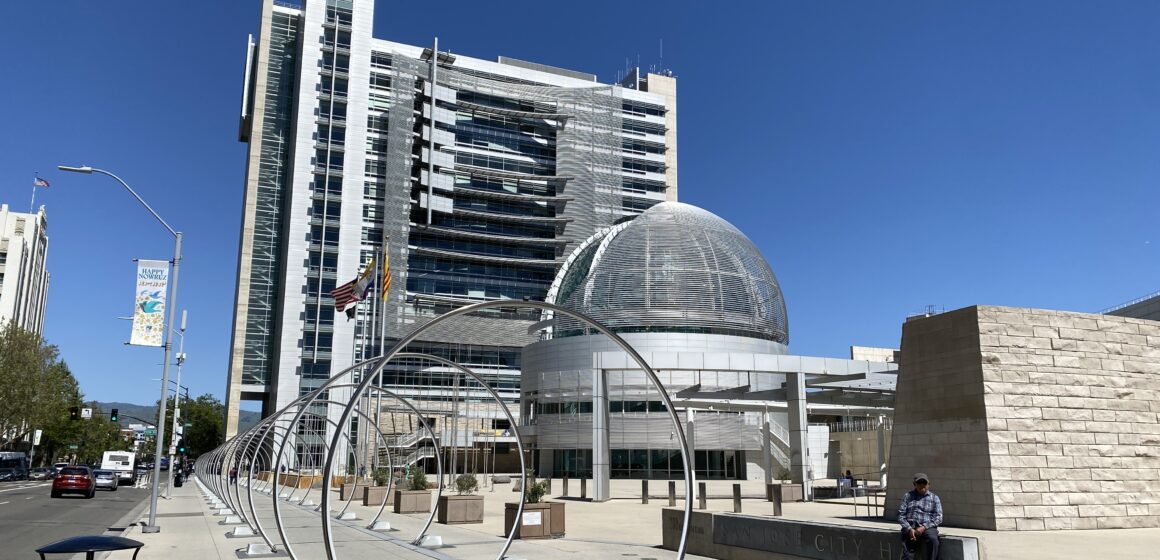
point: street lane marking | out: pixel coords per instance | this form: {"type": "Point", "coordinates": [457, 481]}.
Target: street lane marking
{"type": "Point", "coordinates": [24, 487]}
{"type": "Point", "coordinates": [3, 503]}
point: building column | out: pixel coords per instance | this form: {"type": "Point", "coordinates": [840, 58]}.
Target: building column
{"type": "Point", "coordinates": [766, 449]}
{"type": "Point", "coordinates": [798, 432]}
{"type": "Point", "coordinates": [882, 451]}
{"type": "Point", "coordinates": [601, 450]}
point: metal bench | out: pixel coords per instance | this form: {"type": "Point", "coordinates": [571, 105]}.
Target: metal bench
{"type": "Point", "coordinates": [90, 545]}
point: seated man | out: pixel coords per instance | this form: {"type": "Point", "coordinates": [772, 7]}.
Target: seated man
{"type": "Point", "coordinates": [920, 515]}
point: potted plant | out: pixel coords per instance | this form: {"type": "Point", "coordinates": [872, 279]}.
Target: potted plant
{"type": "Point", "coordinates": [377, 494]}
{"type": "Point", "coordinates": [540, 520]}
{"type": "Point", "coordinates": [464, 506]}
{"type": "Point", "coordinates": [416, 498]}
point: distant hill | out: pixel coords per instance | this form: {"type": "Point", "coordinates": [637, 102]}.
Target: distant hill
{"type": "Point", "coordinates": [148, 414]}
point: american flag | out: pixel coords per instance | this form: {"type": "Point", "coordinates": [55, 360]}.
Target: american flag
{"type": "Point", "coordinates": [38, 182]}
{"type": "Point", "coordinates": [344, 295]}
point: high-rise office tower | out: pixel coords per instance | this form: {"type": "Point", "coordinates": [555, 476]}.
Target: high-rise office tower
{"type": "Point", "coordinates": [23, 276]}
{"type": "Point", "coordinates": [478, 177]}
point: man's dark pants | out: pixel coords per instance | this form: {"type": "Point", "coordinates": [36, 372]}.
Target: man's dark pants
{"type": "Point", "coordinates": [930, 536]}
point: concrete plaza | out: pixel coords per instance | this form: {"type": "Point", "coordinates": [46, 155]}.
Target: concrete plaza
{"type": "Point", "coordinates": [620, 528]}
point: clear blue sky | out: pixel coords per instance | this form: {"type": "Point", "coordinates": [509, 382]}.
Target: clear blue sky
{"type": "Point", "coordinates": [882, 155]}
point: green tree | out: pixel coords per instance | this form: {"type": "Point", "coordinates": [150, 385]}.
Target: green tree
{"type": "Point", "coordinates": [36, 387]}
{"type": "Point", "coordinates": [206, 416]}
{"type": "Point", "coordinates": [204, 420]}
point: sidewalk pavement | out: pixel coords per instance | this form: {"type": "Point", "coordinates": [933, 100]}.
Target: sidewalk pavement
{"type": "Point", "coordinates": [621, 528]}
{"type": "Point", "coordinates": [190, 530]}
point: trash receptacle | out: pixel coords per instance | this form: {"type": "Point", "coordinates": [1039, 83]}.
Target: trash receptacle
{"type": "Point", "coordinates": [177, 480]}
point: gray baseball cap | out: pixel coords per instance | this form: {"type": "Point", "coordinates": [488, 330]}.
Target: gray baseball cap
{"type": "Point", "coordinates": [921, 477]}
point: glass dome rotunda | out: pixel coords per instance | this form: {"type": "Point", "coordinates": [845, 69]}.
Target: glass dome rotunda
{"type": "Point", "coordinates": [675, 268]}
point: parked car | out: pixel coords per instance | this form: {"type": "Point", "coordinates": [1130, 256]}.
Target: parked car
{"type": "Point", "coordinates": [7, 475]}
{"type": "Point", "coordinates": [58, 466]}
{"type": "Point", "coordinates": [106, 479]}
{"type": "Point", "coordinates": [42, 473]}
{"type": "Point", "coordinates": [74, 480]}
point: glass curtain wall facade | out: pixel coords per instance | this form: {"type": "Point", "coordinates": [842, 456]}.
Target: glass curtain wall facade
{"type": "Point", "coordinates": [475, 178]}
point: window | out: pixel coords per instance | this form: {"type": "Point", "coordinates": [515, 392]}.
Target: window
{"type": "Point", "coordinates": [343, 38]}
{"type": "Point", "coordinates": [337, 85]}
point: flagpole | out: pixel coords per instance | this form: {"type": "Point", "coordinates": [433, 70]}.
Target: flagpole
{"type": "Point", "coordinates": [383, 316]}
{"type": "Point", "coordinates": [379, 381]}
{"type": "Point", "coordinates": [32, 205]}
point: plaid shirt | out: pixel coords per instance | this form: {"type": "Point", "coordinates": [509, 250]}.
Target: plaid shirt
{"type": "Point", "coordinates": [925, 510]}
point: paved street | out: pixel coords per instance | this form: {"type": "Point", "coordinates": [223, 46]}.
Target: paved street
{"type": "Point", "coordinates": [29, 518]}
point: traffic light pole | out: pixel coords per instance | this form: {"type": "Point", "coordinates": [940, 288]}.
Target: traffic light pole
{"type": "Point", "coordinates": [176, 405]}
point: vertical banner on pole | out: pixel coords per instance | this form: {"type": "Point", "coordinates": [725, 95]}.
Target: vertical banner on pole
{"type": "Point", "coordinates": [149, 308]}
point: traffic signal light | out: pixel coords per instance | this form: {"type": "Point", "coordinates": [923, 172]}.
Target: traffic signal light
{"type": "Point", "coordinates": [74, 413]}
{"type": "Point", "coordinates": [181, 446]}
{"type": "Point", "coordinates": [113, 415]}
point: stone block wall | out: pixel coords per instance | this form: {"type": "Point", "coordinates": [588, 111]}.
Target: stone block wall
{"type": "Point", "coordinates": [940, 425]}
{"type": "Point", "coordinates": [1069, 405]}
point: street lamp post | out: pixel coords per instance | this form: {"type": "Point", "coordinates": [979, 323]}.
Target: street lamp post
{"type": "Point", "coordinates": [151, 526]}
{"type": "Point", "coordinates": [176, 404]}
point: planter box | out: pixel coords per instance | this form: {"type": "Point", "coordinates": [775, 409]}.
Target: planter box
{"type": "Point", "coordinates": [337, 481]}
{"type": "Point", "coordinates": [298, 481]}
{"type": "Point", "coordinates": [412, 501]}
{"type": "Point", "coordinates": [460, 509]}
{"type": "Point", "coordinates": [791, 493]}
{"type": "Point", "coordinates": [542, 520]}
{"type": "Point", "coordinates": [346, 490]}
{"type": "Point", "coordinates": [377, 495]}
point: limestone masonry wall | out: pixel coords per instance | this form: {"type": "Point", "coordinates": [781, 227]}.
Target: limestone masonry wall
{"type": "Point", "coordinates": [1069, 408]}
{"type": "Point", "coordinates": [940, 425]}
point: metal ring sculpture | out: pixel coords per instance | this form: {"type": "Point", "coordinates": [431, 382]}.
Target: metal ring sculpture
{"type": "Point", "coordinates": [236, 451]}
{"type": "Point", "coordinates": [310, 399]}
{"type": "Point", "coordinates": [285, 433]}
{"type": "Point", "coordinates": [628, 349]}
{"type": "Point", "coordinates": [217, 462]}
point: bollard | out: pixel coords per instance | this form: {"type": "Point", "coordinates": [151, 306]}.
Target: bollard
{"type": "Point", "coordinates": [701, 495]}
{"type": "Point", "coordinates": [769, 492]}
{"type": "Point", "coordinates": [672, 493]}
{"type": "Point", "coordinates": [565, 487]}
{"type": "Point", "coordinates": [736, 498]}
{"type": "Point", "coordinates": [549, 486]}
{"type": "Point", "coordinates": [644, 491]}
{"type": "Point", "coordinates": [583, 488]}
{"type": "Point", "coordinates": [776, 500]}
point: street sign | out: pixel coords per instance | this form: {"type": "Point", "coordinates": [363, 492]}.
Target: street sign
{"type": "Point", "coordinates": [150, 431]}
{"type": "Point", "coordinates": [72, 446]}
{"type": "Point", "coordinates": [86, 413]}
{"type": "Point", "coordinates": [172, 450]}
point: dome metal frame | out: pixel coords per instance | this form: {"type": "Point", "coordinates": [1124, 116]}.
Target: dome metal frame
{"type": "Point", "coordinates": [675, 268]}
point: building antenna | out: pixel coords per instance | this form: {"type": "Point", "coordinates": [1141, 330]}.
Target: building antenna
{"type": "Point", "coordinates": [662, 54]}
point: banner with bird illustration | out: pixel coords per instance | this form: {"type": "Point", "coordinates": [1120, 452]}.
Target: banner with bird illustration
{"type": "Point", "coordinates": [149, 308]}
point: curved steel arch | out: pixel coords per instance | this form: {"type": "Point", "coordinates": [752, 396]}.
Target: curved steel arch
{"type": "Point", "coordinates": [325, 500]}
{"type": "Point", "coordinates": [511, 421]}
{"type": "Point", "coordinates": [329, 464]}
{"type": "Point", "coordinates": [268, 427]}
{"type": "Point", "coordinates": [628, 349]}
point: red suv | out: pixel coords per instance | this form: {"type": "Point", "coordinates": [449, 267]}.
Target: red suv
{"type": "Point", "coordinates": [75, 480]}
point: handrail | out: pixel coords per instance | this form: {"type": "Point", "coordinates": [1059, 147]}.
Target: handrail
{"type": "Point", "coordinates": [1130, 303]}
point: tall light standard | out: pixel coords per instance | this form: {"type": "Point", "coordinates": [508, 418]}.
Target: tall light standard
{"type": "Point", "coordinates": [171, 304]}
{"type": "Point", "coordinates": [176, 403]}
